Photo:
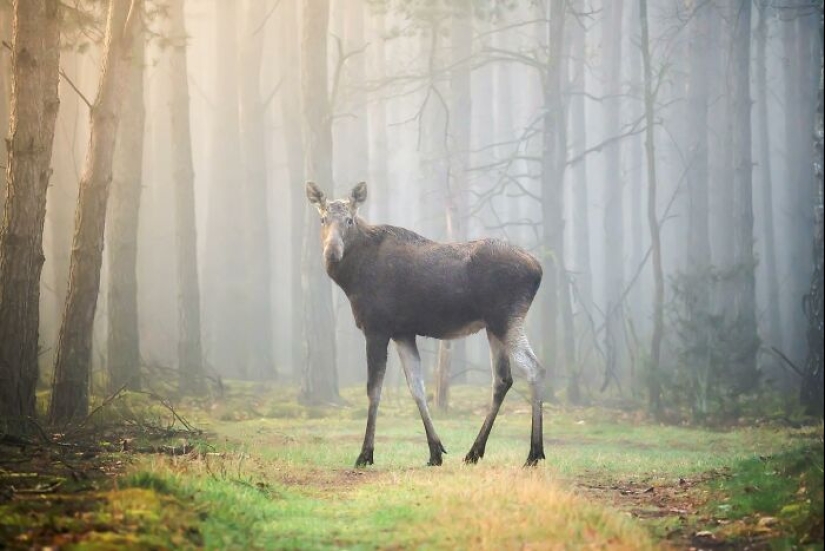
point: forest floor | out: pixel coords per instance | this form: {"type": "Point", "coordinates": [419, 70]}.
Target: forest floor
{"type": "Point", "coordinates": [262, 472]}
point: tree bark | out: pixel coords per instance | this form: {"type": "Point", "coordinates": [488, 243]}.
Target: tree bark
{"type": "Point", "coordinates": [743, 193]}
{"type": "Point", "coordinates": [123, 348]}
{"type": "Point", "coordinates": [225, 295]}
{"type": "Point", "coordinates": [253, 150]}
{"type": "Point", "coordinates": [654, 383]}
{"type": "Point", "coordinates": [802, 50]}
{"type": "Point", "coordinates": [769, 265]}
{"type": "Point", "coordinates": [579, 197]}
{"type": "Point", "coordinates": [6, 16]}
{"type": "Point", "coordinates": [813, 381]}
{"type": "Point", "coordinates": [34, 105]}
{"type": "Point", "coordinates": [290, 105]}
{"type": "Point", "coordinates": [70, 396]}
{"type": "Point", "coordinates": [698, 246]}
{"type": "Point", "coordinates": [380, 200]}
{"type": "Point", "coordinates": [460, 120]}
{"type": "Point", "coordinates": [554, 145]}
{"type": "Point", "coordinates": [613, 186]}
{"type": "Point", "coordinates": [319, 383]}
{"type": "Point", "coordinates": [189, 350]}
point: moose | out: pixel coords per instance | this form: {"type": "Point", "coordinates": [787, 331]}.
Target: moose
{"type": "Point", "coordinates": [401, 286]}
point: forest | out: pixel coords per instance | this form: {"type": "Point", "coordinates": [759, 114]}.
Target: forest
{"type": "Point", "coordinates": [179, 370]}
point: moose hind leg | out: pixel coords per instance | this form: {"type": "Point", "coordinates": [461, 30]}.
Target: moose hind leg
{"type": "Point", "coordinates": [502, 381]}
{"type": "Point", "coordinates": [376, 367]}
{"type": "Point", "coordinates": [522, 355]}
{"type": "Point", "coordinates": [411, 362]}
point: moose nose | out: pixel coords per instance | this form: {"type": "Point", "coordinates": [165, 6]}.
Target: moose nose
{"type": "Point", "coordinates": [333, 250]}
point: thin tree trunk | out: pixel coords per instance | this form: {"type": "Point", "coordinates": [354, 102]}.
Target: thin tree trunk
{"type": "Point", "coordinates": [34, 106]}
{"type": "Point", "coordinates": [565, 282]}
{"type": "Point", "coordinates": [613, 186]}
{"type": "Point", "coordinates": [637, 298]}
{"type": "Point", "coordinates": [698, 246]}
{"type": "Point", "coordinates": [253, 149]}
{"type": "Point", "coordinates": [763, 124]}
{"type": "Point", "coordinates": [190, 352]}
{"type": "Point", "coordinates": [226, 298]}
{"type": "Point", "coordinates": [461, 37]}
{"type": "Point", "coordinates": [553, 165]}
{"type": "Point", "coordinates": [813, 381]}
{"type": "Point", "coordinates": [743, 193]}
{"type": "Point", "coordinates": [723, 237]}
{"type": "Point", "coordinates": [698, 236]}
{"type": "Point", "coordinates": [320, 378]}
{"type": "Point", "coordinates": [380, 200]}
{"type": "Point", "coordinates": [802, 51]}
{"type": "Point", "coordinates": [578, 139]}
{"type": "Point", "coordinates": [6, 16]}
{"type": "Point", "coordinates": [70, 395]}
{"type": "Point", "coordinates": [67, 162]}
{"type": "Point", "coordinates": [654, 383]}
{"type": "Point", "coordinates": [123, 348]}
{"type": "Point", "coordinates": [290, 105]}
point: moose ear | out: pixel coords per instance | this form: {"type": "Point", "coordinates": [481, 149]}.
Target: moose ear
{"type": "Point", "coordinates": [316, 196]}
{"type": "Point", "coordinates": [359, 194]}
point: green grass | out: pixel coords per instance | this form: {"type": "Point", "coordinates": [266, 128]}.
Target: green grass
{"type": "Point", "coordinates": [277, 475]}
{"type": "Point", "coordinates": [786, 488]}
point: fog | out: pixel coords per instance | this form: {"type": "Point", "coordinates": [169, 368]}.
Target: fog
{"type": "Point", "coordinates": [516, 120]}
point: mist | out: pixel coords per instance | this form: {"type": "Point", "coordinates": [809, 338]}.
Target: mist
{"type": "Point", "coordinates": [524, 121]}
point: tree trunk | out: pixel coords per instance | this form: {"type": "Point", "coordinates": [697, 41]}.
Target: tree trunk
{"type": "Point", "coordinates": [253, 149]}
{"type": "Point", "coordinates": [802, 51]}
{"type": "Point", "coordinates": [460, 121]}
{"type": "Point", "coordinates": [698, 235]}
{"type": "Point", "coordinates": [813, 381]}
{"type": "Point", "coordinates": [654, 383]}
{"type": "Point", "coordinates": [225, 297]}
{"type": "Point", "coordinates": [6, 15]}
{"type": "Point", "coordinates": [743, 193]}
{"type": "Point", "coordinates": [352, 161]}
{"type": "Point", "coordinates": [723, 249]}
{"type": "Point", "coordinates": [123, 349]}
{"type": "Point", "coordinates": [554, 144]}
{"type": "Point", "coordinates": [380, 199]}
{"type": "Point", "coordinates": [637, 298]}
{"type": "Point", "coordinates": [290, 106]}
{"type": "Point", "coordinates": [34, 106]}
{"type": "Point", "coordinates": [578, 139]}
{"type": "Point", "coordinates": [320, 377]}
{"type": "Point", "coordinates": [769, 264]}
{"type": "Point", "coordinates": [70, 395]}
{"type": "Point", "coordinates": [613, 187]}
{"type": "Point", "coordinates": [190, 353]}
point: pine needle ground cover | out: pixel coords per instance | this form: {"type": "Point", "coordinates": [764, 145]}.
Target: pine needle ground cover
{"type": "Point", "coordinates": [270, 474]}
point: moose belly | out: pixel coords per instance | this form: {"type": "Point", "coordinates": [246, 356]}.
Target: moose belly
{"type": "Point", "coordinates": [463, 331]}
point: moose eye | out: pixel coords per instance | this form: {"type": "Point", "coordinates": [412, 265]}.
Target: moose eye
{"type": "Point", "coordinates": [349, 221]}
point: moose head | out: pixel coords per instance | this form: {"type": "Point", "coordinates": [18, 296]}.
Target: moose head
{"type": "Point", "coordinates": [339, 219]}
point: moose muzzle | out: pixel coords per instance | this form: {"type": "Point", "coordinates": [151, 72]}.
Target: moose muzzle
{"type": "Point", "coordinates": [333, 248]}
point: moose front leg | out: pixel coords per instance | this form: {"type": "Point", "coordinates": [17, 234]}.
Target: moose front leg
{"type": "Point", "coordinates": [376, 367]}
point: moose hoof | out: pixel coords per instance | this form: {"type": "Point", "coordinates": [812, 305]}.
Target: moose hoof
{"type": "Point", "coordinates": [435, 461]}
{"type": "Point", "coordinates": [364, 459]}
{"type": "Point", "coordinates": [473, 456]}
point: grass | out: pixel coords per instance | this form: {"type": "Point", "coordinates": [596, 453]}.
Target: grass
{"type": "Point", "coordinates": [277, 475]}
{"type": "Point", "coordinates": [784, 490]}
